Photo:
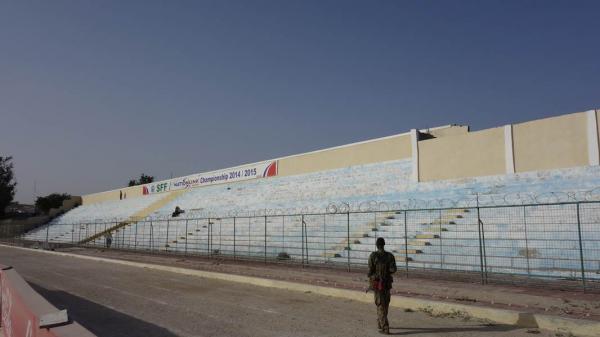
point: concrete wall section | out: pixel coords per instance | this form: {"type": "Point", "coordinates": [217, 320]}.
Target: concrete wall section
{"type": "Point", "coordinates": [468, 155]}
{"type": "Point", "coordinates": [128, 192]}
{"type": "Point", "coordinates": [551, 143]}
{"type": "Point", "coordinates": [379, 150]}
{"type": "Point", "coordinates": [451, 130]}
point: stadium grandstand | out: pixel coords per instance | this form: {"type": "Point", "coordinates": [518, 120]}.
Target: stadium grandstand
{"type": "Point", "coordinates": [516, 199]}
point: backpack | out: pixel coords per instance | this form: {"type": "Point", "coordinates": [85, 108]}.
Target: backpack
{"type": "Point", "coordinates": [383, 278]}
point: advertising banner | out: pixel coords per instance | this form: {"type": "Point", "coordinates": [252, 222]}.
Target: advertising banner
{"type": "Point", "coordinates": [241, 173]}
{"type": "Point", "coordinates": [161, 186]}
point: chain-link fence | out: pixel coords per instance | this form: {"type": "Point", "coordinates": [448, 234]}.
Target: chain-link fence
{"type": "Point", "coordinates": [554, 244]}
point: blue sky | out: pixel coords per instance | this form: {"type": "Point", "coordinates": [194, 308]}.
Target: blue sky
{"type": "Point", "coordinates": [93, 93]}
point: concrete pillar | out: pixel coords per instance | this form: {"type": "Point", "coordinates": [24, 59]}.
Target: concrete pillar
{"type": "Point", "coordinates": [509, 155]}
{"type": "Point", "coordinates": [592, 138]}
{"type": "Point", "coordinates": [414, 137]}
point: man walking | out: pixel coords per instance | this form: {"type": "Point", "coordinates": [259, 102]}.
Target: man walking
{"type": "Point", "coordinates": [108, 239]}
{"type": "Point", "coordinates": [382, 265]}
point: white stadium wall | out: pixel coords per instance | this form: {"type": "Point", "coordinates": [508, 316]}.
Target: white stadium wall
{"type": "Point", "coordinates": [446, 161]}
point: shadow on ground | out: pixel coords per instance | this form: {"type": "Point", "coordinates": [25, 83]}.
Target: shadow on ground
{"type": "Point", "coordinates": [100, 320]}
{"type": "Point", "coordinates": [441, 331]}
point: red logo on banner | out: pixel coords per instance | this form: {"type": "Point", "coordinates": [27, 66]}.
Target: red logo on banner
{"type": "Point", "coordinates": [271, 170]}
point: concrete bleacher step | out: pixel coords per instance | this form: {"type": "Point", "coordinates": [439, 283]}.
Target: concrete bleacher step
{"type": "Point", "coordinates": [137, 216]}
{"type": "Point", "coordinates": [455, 211]}
{"type": "Point", "coordinates": [401, 258]}
{"type": "Point", "coordinates": [442, 222]}
{"type": "Point", "coordinates": [418, 243]}
{"type": "Point", "coordinates": [435, 228]}
{"type": "Point", "coordinates": [408, 251]}
{"type": "Point", "coordinates": [427, 236]}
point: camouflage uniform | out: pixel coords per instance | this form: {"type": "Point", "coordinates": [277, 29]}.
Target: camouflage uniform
{"type": "Point", "coordinates": [382, 265]}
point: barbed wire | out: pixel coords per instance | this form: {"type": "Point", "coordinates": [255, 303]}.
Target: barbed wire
{"type": "Point", "coordinates": [473, 199]}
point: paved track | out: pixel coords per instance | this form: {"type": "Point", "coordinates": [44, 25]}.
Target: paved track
{"type": "Point", "coordinates": [115, 300]}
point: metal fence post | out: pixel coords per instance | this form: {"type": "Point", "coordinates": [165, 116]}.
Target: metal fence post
{"type": "Point", "coordinates": [265, 239]}
{"type": "Point", "coordinates": [283, 232]}
{"type": "Point", "coordinates": [115, 243]}
{"type": "Point", "coordinates": [151, 236]}
{"type": "Point", "coordinates": [135, 237]}
{"type": "Point", "coordinates": [441, 243]}
{"type": "Point", "coordinates": [526, 241]}
{"type": "Point", "coordinates": [406, 243]}
{"type": "Point", "coordinates": [167, 239]}
{"type": "Point", "coordinates": [249, 236]}
{"type": "Point", "coordinates": [47, 236]}
{"type": "Point", "coordinates": [348, 237]}
{"type": "Point", "coordinates": [581, 250]}
{"type": "Point", "coordinates": [234, 239]}
{"type": "Point", "coordinates": [324, 236]}
{"type": "Point", "coordinates": [302, 237]}
{"type": "Point", "coordinates": [485, 268]}
{"type": "Point", "coordinates": [480, 243]}
{"type": "Point", "coordinates": [186, 237]}
{"type": "Point", "coordinates": [306, 242]}
{"type": "Point", "coordinates": [208, 237]}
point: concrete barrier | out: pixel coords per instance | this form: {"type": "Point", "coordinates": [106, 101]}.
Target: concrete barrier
{"type": "Point", "coordinates": [27, 314]}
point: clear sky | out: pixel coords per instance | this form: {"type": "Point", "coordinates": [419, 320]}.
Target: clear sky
{"type": "Point", "coordinates": [93, 93]}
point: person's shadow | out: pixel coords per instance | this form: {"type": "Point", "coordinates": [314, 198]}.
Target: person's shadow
{"type": "Point", "coordinates": [98, 319]}
{"type": "Point", "coordinates": [481, 328]}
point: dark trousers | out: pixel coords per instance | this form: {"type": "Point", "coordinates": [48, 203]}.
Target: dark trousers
{"type": "Point", "coordinates": [382, 301]}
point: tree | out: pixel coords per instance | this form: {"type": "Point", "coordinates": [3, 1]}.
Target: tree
{"type": "Point", "coordinates": [144, 179]}
{"type": "Point", "coordinates": [7, 183]}
{"type": "Point", "coordinates": [53, 200]}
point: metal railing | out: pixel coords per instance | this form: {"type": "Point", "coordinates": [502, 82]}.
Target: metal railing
{"type": "Point", "coordinates": [553, 243]}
